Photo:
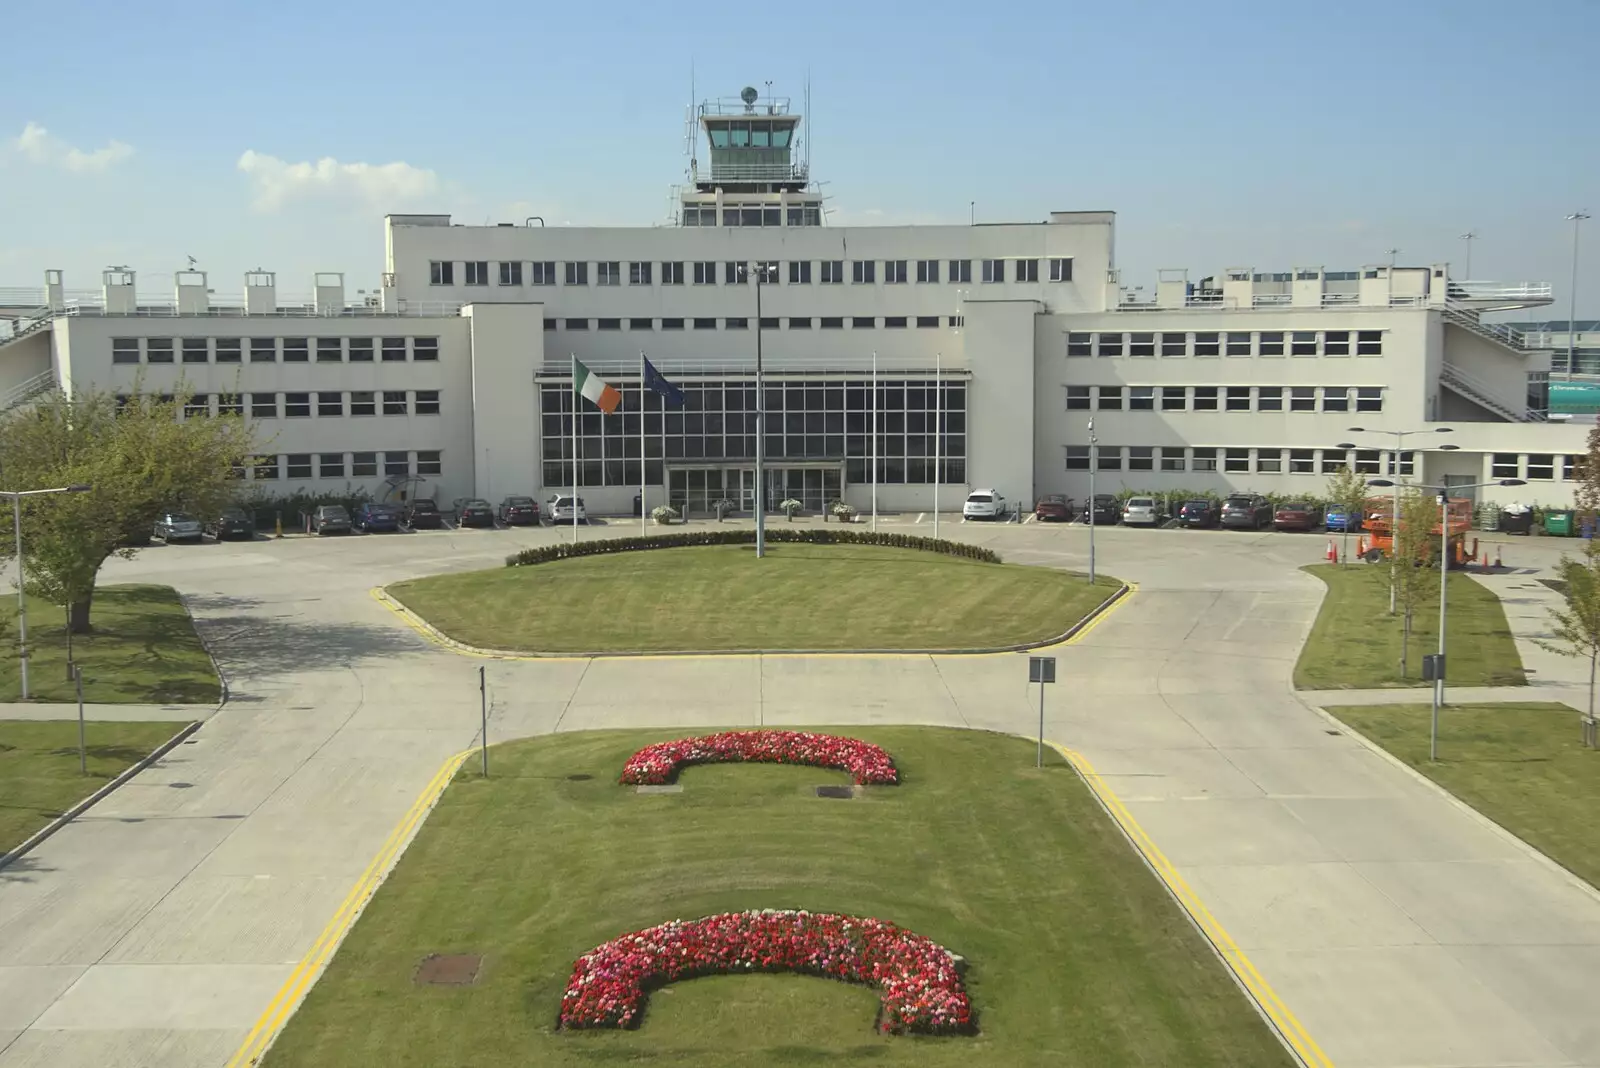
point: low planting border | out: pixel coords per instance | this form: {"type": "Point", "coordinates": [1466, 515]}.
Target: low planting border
{"type": "Point", "coordinates": [545, 554]}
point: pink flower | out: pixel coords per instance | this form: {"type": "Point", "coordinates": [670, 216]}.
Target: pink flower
{"type": "Point", "coordinates": [657, 764]}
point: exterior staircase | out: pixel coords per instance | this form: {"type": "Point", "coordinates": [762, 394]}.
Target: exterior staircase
{"type": "Point", "coordinates": [1464, 384]}
{"type": "Point", "coordinates": [1468, 319]}
{"type": "Point", "coordinates": [40, 383]}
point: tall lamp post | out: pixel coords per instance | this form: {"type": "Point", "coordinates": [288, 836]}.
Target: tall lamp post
{"type": "Point", "coordinates": [1576, 219]}
{"type": "Point", "coordinates": [1093, 441]}
{"type": "Point", "coordinates": [1394, 469]}
{"type": "Point", "coordinates": [1469, 237]}
{"type": "Point", "coordinates": [760, 271]}
{"type": "Point", "coordinates": [1443, 493]}
{"type": "Point", "coordinates": [22, 598]}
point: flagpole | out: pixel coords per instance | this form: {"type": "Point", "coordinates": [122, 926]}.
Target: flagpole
{"type": "Point", "coordinates": [938, 434]}
{"type": "Point", "coordinates": [644, 521]}
{"type": "Point", "coordinates": [575, 399]}
{"type": "Point", "coordinates": [874, 439]}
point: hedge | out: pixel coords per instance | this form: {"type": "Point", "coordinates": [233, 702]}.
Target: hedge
{"type": "Point", "coordinates": [809, 536]}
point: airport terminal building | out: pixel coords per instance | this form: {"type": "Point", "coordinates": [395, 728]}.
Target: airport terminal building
{"type": "Point", "coordinates": [948, 356]}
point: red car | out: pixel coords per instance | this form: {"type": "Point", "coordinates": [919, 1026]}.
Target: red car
{"type": "Point", "coordinates": [1297, 516]}
{"type": "Point", "coordinates": [1053, 506]}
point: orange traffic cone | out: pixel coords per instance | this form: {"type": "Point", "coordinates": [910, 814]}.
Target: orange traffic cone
{"type": "Point", "coordinates": [1333, 552]}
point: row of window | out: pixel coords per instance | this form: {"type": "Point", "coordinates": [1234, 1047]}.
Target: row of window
{"type": "Point", "coordinates": [1533, 466]}
{"type": "Point", "coordinates": [1228, 343]}
{"type": "Point", "coordinates": [807, 214]}
{"type": "Point", "coordinates": [1260, 461]}
{"type": "Point", "coordinates": [1225, 398]}
{"type": "Point", "coordinates": [793, 322]}
{"type": "Point", "coordinates": [304, 465]}
{"type": "Point", "coordinates": [739, 272]}
{"type": "Point", "coordinates": [273, 349]}
{"type": "Point", "coordinates": [301, 405]}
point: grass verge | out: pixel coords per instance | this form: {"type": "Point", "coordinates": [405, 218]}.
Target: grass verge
{"type": "Point", "coordinates": [1522, 765]}
{"type": "Point", "coordinates": [722, 598]}
{"type": "Point", "coordinates": [39, 776]}
{"type": "Point", "coordinates": [1078, 956]}
{"type": "Point", "coordinates": [1355, 643]}
{"type": "Point", "coordinates": [144, 650]}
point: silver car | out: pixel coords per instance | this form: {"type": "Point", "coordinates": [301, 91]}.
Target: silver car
{"type": "Point", "coordinates": [177, 526]}
{"type": "Point", "coordinates": [561, 510]}
{"type": "Point", "coordinates": [1141, 512]}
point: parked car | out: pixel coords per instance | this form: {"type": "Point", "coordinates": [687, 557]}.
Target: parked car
{"type": "Point", "coordinates": [519, 512]}
{"type": "Point", "coordinates": [1337, 518]}
{"type": "Point", "coordinates": [374, 516]}
{"type": "Point", "coordinates": [1142, 512]}
{"type": "Point", "coordinates": [472, 512]}
{"type": "Point", "coordinates": [177, 526]}
{"type": "Point", "coordinates": [231, 522]}
{"type": "Point", "coordinates": [1199, 513]}
{"type": "Point", "coordinates": [1102, 511]}
{"type": "Point", "coordinates": [423, 514]}
{"type": "Point", "coordinates": [562, 509]}
{"type": "Point", "coordinates": [330, 519]}
{"type": "Point", "coordinates": [1246, 511]}
{"type": "Point", "coordinates": [984, 504]}
{"type": "Point", "coordinates": [1053, 506]}
{"type": "Point", "coordinates": [1297, 515]}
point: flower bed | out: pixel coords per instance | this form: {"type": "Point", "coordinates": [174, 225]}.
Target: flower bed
{"type": "Point", "coordinates": [919, 980]}
{"type": "Point", "coordinates": [566, 550]}
{"type": "Point", "coordinates": [657, 764]}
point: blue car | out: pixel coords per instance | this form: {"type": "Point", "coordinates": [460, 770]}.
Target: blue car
{"type": "Point", "coordinates": [377, 517]}
{"type": "Point", "coordinates": [1339, 519]}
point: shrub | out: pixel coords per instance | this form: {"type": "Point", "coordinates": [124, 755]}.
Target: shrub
{"type": "Point", "coordinates": [545, 554]}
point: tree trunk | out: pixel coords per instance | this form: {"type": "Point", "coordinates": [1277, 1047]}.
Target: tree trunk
{"type": "Point", "coordinates": [1588, 727]}
{"type": "Point", "coordinates": [1405, 643]}
{"type": "Point", "coordinates": [78, 615]}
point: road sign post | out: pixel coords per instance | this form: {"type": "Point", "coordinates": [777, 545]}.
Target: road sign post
{"type": "Point", "coordinates": [483, 711]}
{"type": "Point", "coordinates": [1041, 669]}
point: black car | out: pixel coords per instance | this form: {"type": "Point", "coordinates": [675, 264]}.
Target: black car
{"type": "Point", "coordinates": [330, 519]}
{"type": "Point", "coordinates": [374, 516]}
{"type": "Point", "coordinates": [519, 512]}
{"type": "Point", "coordinates": [231, 522]}
{"type": "Point", "coordinates": [1103, 511]}
{"type": "Point", "coordinates": [1246, 511]}
{"type": "Point", "coordinates": [1199, 513]}
{"type": "Point", "coordinates": [423, 514]}
{"type": "Point", "coordinates": [472, 512]}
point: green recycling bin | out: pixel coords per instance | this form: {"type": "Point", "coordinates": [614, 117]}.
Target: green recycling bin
{"type": "Point", "coordinates": [1558, 524]}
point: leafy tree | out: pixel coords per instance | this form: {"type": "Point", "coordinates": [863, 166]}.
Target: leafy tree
{"type": "Point", "coordinates": [1575, 629]}
{"type": "Point", "coordinates": [1587, 495]}
{"type": "Point", "coordinates": [1347, 491]}
{"type": "Point", "coordinates": [1415, 544]}
{"type": "Point", "coordinates": [140, 457]}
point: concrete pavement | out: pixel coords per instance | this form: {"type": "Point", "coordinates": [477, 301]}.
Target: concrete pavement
{"type": "Point", "coordinates": [37, 710]}
{"type": "Point", "coordinates": [1395, 929]}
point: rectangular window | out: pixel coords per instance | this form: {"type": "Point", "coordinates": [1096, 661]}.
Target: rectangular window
{"type": "Point", "coordinates": [608, 324]}
{"type": "Point", "coordinates": [734, 273]}
{"type": "Point", "coordinates": [511, 274]}
{"type": "Point", "coordinates": [477, 272]}
{"type": "Point", "coordinates": [1174, 398]}
{"type": "Point", "coordinates": [297, 465]}
{"type": "Point", "coordinates": [927, 270]}
{"type": "Point", "coordinates": [1077, 457]}
{"type": "Point", "coordinates": [1174, 458]}
{"type": "Point", "coordinates": [263, 406]}
{"type": "Point", "coordinates": [1142, 345]}
{"type": "Point", "coordinates": [894, 272]}
{"type": "Point", "coordinates": [832, 272]}
{"type": "Point", "coordinates": [330, 465]}
{"type": "Point", "coordinates": [330, 405]}
{"type": "Point", "coordinates": [1504, 465]}
{"type": "Point", "coordinates": [1141, 458]}
{"type": "Point", "coordinates": [1302, 398]}
{"type": "Point", "coordinates": [671, 275]}
{"type": "Point", "coordinates": [363, 464]}
{"type": "Point", "coordinates": [957, 321]}
{"type": "Point", "coordinates": [576, 324]}
{"type": "Point", "coordinates": [929, 321]}
{"type": "Point", "coordinates": [1302, 461]}
{"type": "Point", "coordinates": [1205, 398]}
{"type": "Point", "coordinates": [1108, 458]}
{"type": "Point", "coordinates": [800, 322]}
{"type": "Point", "coordinates": [577, 273]}
{"type": "Point", "coordinates": [641, 324]}
{"type": "Point", "coordinates": [297, 405]}
{"type": "Point", "coordinates": [264, 467]}
{"type": "Point", "coordinates": [427, 402]}
{"type": "Point", "coordinates": [1368, 462]}
{"type": "Point", "coordinates": [396, 463]}
{"type": "Point", "coordinates": [638, 274]}
{"type": "Point", "coordinates": [705, 324]}
{"type": "Point", "coordinates": [705, 273]}
{"type": "Point", "coordinates": [894, 322]}
{"type": "Point", "coordinates": [1269, 461]}
{"type": "Point", "coordinates": [1027, 270]}
{"type": "Point", "coordinates": [394, 350]}
{"type": "Point", "coordinates": [441, 273]}
{"type": "Point", "coordinates": [1078, 398]}
{"type": "Point", "coordinates": [1237, 398]}
{"type": "Point", "coordinates": [1236, 461]}
{"type": "Point", "coordinates": [1110, 399]}
{"type": "Point", "coordinates": [429, 462]}
{"type": "Point", "coordinates": [994, 270]}
{"type": "Point", "coordinates": [1269, 399]}
{"type": "Point", "coordinates": [1336, 343]}
{"type": "Point", "coordinates": [263, 350]}
{"type": "Point", "coordinates": [425, 349]}
{"type": "Point", "coordinates": [863, 322]}
{"type": "Point", "coordinates": [1205, 459]}
{"type": "Point", "coordinates": [229, 350]}
{"type": "Point", "coordinates": [1174, 344]}
{"type": "Point", "coordinates": [1369, 398]}
{"type": "Point", "coordinates": [1237, 344]}
{"type": "Point", "coordinates": [1303, 343]}
{"type": "Point", "coordinates": [1207, 344]}
{"type": "Point", "coordinates": [1369, 343]}
{"type": "Point", "coordinates": [363, 402]}
{"type": "Point", "coordinates": [360, 349]}
{"type": "Point", "coordinates": [296, 350]}
{"type": "Point", "coordinates": [608, 273]}
{"type": "Point", "coordinates": [124, 350]}
{"type": "Point", "coordinates": [1333, 461]}
{"type": "Point", "coordinates": [330, 350]}
{"type": "Point", "coordinates": [863, 272]}
{"type": "Point", "coordinates": [1108, 344]}
{"type": "Point", "coordinates": [230, 404]}
{"type": "Point", "coordinates": [832, 322]}
{"type": "Point", "coordinates": [1141, 398]}
{"type": "Point", "coordinates": [1272, 343]}
{"type": "Point", "coordinates": [1336, 398]}
{"type": "Point", "coordinates": [960, 271]}
{"type": "Point", "coordinates": [1080, 344]}
{"type": "Point", "coordinates": [542, 274]}
{"type": "Point", "coordinates": [195, 350]}
{"type": "Point", "coordinates": [767, 322]}
{"type": "Point", "coordinates": [394, 402]}
{"type": "Point", "coordinates": [1405, 463]}
{"type": "Point", "coordinates": [1060, 270]}
{"type": "Point", "coordinates": [672, 324]}
{"type": "Point", "coordinates": [197, 406]}
{"type": "Point", "coordinates": [735, 324]}
{"type": "Point", "coordinates": [1569, 465]}
{"type": "Point", "coordinates": [799, 272]}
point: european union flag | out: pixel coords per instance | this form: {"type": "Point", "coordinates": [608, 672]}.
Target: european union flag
{"type": "Point", "coordinates": [655, 383]}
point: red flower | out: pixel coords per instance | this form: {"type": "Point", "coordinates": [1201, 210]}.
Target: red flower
{"type": "Point", "coordinates": [657, 764]}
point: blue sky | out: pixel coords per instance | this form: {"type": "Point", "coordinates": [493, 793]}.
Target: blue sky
{"type": "Point", "coordinates": [1239, 133]}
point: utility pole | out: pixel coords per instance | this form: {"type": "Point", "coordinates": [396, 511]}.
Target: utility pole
{"type": "Point", "coordinates": [1576, 219]}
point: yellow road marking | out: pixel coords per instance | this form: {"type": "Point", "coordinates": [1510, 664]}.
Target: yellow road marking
{"type": "Point", "coordinates": [1292, 1030]}
{"type": "Point", "coordinates": [289, 994]}
{"type": "Point", "coordinates": [415, 622]}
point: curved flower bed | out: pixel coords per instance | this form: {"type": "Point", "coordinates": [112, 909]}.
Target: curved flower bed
{"type": "Point", "coordinates": [919, 979]}
{"type": "Point", "coordinates": [657, 764]}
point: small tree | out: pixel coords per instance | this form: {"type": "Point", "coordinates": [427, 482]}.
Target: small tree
{"type": "Point", "coordinates": [1587, 495]}
{"type": "Point", "coordinates": [1575, 629]}
{"type": "Point", "coordinates": [1347, 491]}
{"type": "Point", "coordinates": [1414, 545]}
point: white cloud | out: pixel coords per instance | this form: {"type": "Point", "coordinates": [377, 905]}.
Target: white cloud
{"type": "Point", "coordinates": [38, 145]}
{"type": "Point", "coordinates": [382, 185]}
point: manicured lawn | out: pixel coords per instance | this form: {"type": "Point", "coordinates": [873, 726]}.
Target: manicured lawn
{"type": "Point", "coordinates": [143, 651]}
{"type": "Point", "coordinates": [1522, 765]}
{"type": "Point", "coordinates": [1355, 643]}
{"type": "Point", "coordinates": [1077, 955]}
{"type": "Point", "coordinates": [723, 598]}
{"type": "Point", "coordinates": [39, 776]}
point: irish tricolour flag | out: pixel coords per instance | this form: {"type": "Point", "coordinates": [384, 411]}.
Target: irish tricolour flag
{"type": "Point", "coordinates": [593, 388]}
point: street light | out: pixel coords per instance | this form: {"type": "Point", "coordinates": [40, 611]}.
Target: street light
{"type": "Point", "coordinates": [1394, 469]}
{"type": "Point", "coordinates": [1444, 575]}
{"type": "Point", "coordinates": [22, 599]}
{"type": "Point", "coordinates": [1576, 219]}
{"type": "Point", "coordinates": [761, 270]}
{"type": "Point", "coordinates": [1469, 237]}
{"type": "Point", "coordinates": [1093, 441]}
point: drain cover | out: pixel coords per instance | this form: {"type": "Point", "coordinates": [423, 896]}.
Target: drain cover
{"type": "Point", "coordinates": [579, 778]}
{"type": "Point", "coordinates": [836, 791]}
{"type": "Point", "coordinates": [449, 969]}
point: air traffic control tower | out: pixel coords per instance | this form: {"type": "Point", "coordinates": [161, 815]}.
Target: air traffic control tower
{"type": "Point", "coordinates": [757, 175]}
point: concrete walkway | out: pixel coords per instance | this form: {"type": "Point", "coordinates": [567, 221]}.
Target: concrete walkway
{"type": "Point", "coordinates": [35, 710]}
{"type": "Point", "coordinates": [1390, 927]}
{"type": "Point", "coordinates": [1454, 695]}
